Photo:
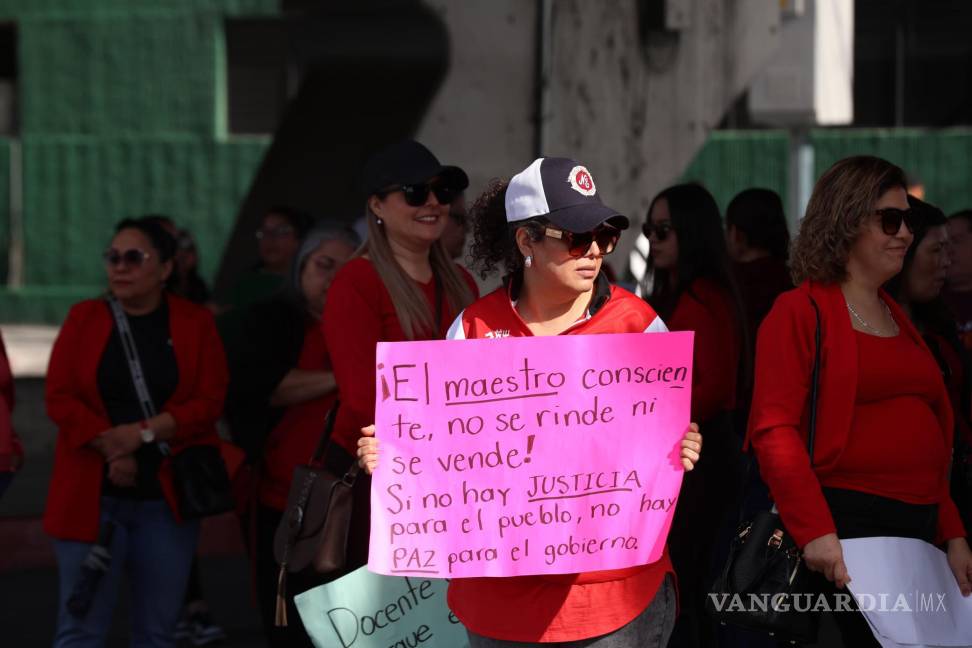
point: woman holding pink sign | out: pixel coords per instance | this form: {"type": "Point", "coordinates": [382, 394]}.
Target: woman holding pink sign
{"type": "Point", "coordinates": [549, 230]}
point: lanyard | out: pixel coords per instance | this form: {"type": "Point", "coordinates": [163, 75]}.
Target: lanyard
{"type": "Point", "coordinates": [134, 365]}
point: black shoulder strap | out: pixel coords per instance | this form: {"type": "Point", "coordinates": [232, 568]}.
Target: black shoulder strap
{"type": "Point", "coordinates": [135, 365]}
{"type": "Point", "coordinates": [326, 436]}
{"type": "Point", "coordinates": [814, 385]}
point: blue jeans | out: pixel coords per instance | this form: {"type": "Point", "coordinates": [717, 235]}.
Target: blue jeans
{"type": "Point", "coordinates": [153, 552]}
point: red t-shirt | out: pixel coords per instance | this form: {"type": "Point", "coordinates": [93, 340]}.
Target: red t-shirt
{"type": "Point", "coordinates": [894, 430]}
{"type": "Point", "coordinates": [563, 607]}
{"type": "Point", "coordinates": [295, 437]}
{"type": "Point", "coordinates": [359, 313]}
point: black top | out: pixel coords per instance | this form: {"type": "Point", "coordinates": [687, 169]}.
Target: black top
{"type": "Point", "coordinates": [259, 355]}
{"type": "Point", "coordinates": [155, 351]}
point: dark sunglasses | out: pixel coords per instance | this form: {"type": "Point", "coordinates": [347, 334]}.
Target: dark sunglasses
{"type": "Point", "coordinates": [133, 257]}
{"type": "Point", "coordinates": [578, 244]}
{"type": "Point", "coordinates": [661, 231]}
{"type": "Point", "coordinates": [417, 194]}
{"type": "Point", "coordinates": [891, 218]}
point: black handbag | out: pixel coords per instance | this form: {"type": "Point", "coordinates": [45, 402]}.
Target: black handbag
{"type": "Point", "coordinates": [765, 566]}
{"type": "Point", "coordinates": [202, 485]}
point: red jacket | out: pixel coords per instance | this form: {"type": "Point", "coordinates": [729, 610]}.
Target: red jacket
{"type": "Point", "coordinates": [75, 406]}
{"type": "Point", "coordinates": [9, 441]}
{"type": "Point", "coordinates": [561, 607]}
{"type": "Point", "coordinates": [778, 419]}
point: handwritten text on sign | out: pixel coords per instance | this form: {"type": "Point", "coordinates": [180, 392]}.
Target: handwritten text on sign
{"type": "Point", "coordinates": [515, 456]}
{"type": "Point", "coordinates": [364, 610]}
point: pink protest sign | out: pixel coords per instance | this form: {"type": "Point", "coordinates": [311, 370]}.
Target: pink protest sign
{"type": "Point", "coordinates": [516, 456]}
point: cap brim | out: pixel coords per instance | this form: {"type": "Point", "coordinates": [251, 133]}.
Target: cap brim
{"type": "Point", "coordinates": [452, 174]}
{"type": "Point", "coordinates": [584, 218]}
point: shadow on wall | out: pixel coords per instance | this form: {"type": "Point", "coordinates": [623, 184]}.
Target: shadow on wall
{"type": "Point", "coordinates": [367, 74]}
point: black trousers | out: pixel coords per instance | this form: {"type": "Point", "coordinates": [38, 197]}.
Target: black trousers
{"type": "Point", "coordinates": [267, 571]}
{"type": "Point", "coordinates": [862, 515]}
{"type": "Point", "coordinates": [710, 495]}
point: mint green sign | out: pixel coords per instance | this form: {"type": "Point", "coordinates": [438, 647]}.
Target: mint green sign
{"type": "Point", "coordinates": [366, 610]}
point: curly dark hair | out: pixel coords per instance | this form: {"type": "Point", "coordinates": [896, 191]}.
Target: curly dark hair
{"type": "Point", "coordinates": [494, 239]}
{"type": "Point", "coordinates": [841, 201]}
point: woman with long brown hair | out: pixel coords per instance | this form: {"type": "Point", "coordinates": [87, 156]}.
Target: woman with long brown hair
{"type": "Point", "coordinates": [401, 285]}
{"type": "Point", "coordinates": [884, 425]}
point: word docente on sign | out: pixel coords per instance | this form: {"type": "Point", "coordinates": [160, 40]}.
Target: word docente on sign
{"type": "Point", "coordinates": [365, 610]}
{"type": "Point", "coordinates": [532, 455]}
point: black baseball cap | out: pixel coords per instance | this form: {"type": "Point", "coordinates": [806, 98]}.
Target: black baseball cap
{"type": "Point", "coordinates": [404, 163]}
{"type": "Point", "coordinates": [563, 191]}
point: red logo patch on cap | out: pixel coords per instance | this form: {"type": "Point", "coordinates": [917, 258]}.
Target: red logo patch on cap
{"type": "Point", "coordinates": [581, 181]}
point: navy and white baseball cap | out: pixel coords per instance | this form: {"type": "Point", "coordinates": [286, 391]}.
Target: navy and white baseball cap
{"type": "Point", "coordinates": [562, 190]}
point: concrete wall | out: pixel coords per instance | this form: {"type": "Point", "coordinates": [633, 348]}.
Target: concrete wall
{"type": "Point", "coordinates": [637, 107]}
{"type": "Point", "coordinates": [484, 116]}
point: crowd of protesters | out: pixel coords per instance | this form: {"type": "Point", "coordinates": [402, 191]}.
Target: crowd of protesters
{"type": "Point", "coordinates": [889, 275]}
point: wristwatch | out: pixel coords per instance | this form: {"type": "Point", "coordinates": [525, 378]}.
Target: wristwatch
{"type": "Point", "coordinates": [147, 433]}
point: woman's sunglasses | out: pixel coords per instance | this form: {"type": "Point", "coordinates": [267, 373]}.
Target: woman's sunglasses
{"type": "Point", "coordinates": [891, 218]}
{"type": "Point", "coordinates": [661, 230]}
{"type": "Point", "coordinates": [578, 244]}
{"type": "Point", "coordinates": [417, 194]}
{"type": "Point", "coordinates": [133, 257]}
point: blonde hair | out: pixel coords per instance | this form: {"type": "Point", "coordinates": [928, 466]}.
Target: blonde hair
{"type": "Point", "coordinates": [411, 305]}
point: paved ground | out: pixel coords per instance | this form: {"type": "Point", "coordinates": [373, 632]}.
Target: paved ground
{"type": "Point", "coordinates": [28, 600]}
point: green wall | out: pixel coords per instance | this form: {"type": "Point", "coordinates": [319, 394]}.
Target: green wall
{"type": "Point", "coordinates": [942, 159]}
{"type": "Point", "coordinates": [121, 107]}
{"type": "Point", "coordinates": [121, 114]}
{"type": "Point", "coordinates": [732, 161]}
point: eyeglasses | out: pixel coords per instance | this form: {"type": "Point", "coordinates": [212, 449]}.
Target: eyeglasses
{"type": "Point", "coordinates": [579, 244]}
{"type": "Point", "coordinates": [133, 257]}
{"type": "Point", "coordinates": [417, 194]}
{"type": "Point", "coordinates": [278, 232]}
{"type": "Point", "coordinates": [891, 218]}
{"type": "Point", "coordinates": [661, 230]}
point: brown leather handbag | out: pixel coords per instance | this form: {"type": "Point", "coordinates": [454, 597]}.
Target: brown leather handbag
{"type": "Point", "coordinates": [313, 533]}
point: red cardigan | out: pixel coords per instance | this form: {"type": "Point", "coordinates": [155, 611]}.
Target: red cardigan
{"type": "Point", "coordinates": [75, 406]}
{"type": "Point", "coordinates": [778, 423]}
